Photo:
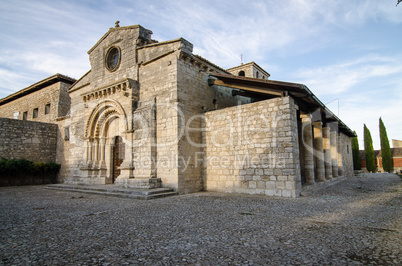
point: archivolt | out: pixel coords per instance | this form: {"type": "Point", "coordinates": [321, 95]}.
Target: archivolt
{"type": "Point", "coordinates": [103, 125]}
{"type": "Point", "coordinates": [102, 113]}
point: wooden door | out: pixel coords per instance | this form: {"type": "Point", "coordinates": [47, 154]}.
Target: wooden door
{"type": "Point", "coordinates": [118, 156]}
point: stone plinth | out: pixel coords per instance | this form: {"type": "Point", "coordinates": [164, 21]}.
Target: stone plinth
{"type": "Point", "coordinates": [139, 183]}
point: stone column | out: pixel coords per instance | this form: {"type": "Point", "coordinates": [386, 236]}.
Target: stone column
{"type": "Point", "coordinates": [91, 158]}
{"type": "Point", "coordinates": [96, 152]}
{"type": "Point", "coordinates": [102, 162]}
{"type": "Point", "coordinates": [307, 143]}
{"type": "Point", "coordinates": [110, 163]}
{"type": "Point", "coordinates": [87, 152]}
{"type": "Point", "coordinates": [334, 152]}
{"type": "Point", "coordinates": [102, 151]}
{"type": "Point", "coordinates": [340, 162]}
{"type": "Point", "coordinates": [90, 152]}
{"type": "Point", "coordinates": [318, 152]}
{"type": "Point", "coordinates": [327, 152]}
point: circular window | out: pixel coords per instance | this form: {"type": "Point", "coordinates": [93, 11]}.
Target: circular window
{"type": "Point", "coordinates": [113, 58]}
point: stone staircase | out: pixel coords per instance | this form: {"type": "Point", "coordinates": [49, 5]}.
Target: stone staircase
{"type": "Point", "coordinates": [112, 190]}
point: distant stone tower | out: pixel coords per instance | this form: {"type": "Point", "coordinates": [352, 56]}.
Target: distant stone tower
{"type": "Point", "coordinates": [249, 70]}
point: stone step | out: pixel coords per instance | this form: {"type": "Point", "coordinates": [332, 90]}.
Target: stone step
{"type": "Point", "coordinates": [112, 190]}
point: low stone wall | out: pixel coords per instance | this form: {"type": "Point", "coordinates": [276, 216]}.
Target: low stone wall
{"type": "Point", "coordinates": [29, 140]}
{"type": "Point", "coordinates": [253, 148]}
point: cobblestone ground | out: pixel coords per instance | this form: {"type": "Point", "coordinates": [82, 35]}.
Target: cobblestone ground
{"type": "Point", "coordinates": [353, 221]}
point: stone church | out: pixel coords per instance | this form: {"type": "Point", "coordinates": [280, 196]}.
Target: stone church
{"type": "Point", "coordinates": [153, 114]}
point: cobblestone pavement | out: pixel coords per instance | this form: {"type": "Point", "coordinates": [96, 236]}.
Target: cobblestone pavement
{"type": "Point", "coordinates": [352, 221]}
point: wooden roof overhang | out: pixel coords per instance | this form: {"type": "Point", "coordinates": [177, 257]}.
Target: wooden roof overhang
{"type": "Point", "coordinates": [261, 89]}
{"type": "Point", "coordinates": [37, 86]}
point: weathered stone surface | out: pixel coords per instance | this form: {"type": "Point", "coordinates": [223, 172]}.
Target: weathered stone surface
{"type": "Point", "coordinates": [354, 221]}
{"type": "Point", "coordinates": [28, 140]}
{"type": "Point", "coordinates": [243, 143]}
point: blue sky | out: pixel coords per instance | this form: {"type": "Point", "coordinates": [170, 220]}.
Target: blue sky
{"type": "Point", "coordinates": [347, 52]}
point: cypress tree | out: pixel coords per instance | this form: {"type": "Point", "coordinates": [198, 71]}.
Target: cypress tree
{"type": "Point", "coordinates": [385, 148]}
{"type": "Point", "coordinates": [356, 154]}
{"type": "Point", "coordinates": [369, 150]}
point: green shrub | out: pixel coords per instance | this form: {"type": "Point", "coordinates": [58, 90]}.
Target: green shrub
{"type": "Point", "coordinates": [385, 148]}
{"type": "Point", "coordinates": [356, 153]}
{"type": "Point", "coordinates": [369, 150]}
{"type": "Point", "coordinates": [38, 168]}
{"type": "Point", "coordinates": [22, 166]}
{"type": "Point", "coordinates": [18, 171]}
{"type": "Point", "coordinates": [3, 166]}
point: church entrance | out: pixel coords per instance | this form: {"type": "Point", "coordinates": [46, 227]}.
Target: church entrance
{"type": "Point", "coordinates": [118, 156]}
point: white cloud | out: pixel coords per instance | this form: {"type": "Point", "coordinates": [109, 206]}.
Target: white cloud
{"type": "Point", "coordinates": [343, 77]}
{"type": "Point", "coordinates": [223, 30]}
{"type": "Point", "coordinates": [51, 63]}
{"type": "Point", "coordinates": [11, 81]}
{"type": "Point", "coordinates": [367, 110]}
{"type": "Point", "coordinates": [362, 11]}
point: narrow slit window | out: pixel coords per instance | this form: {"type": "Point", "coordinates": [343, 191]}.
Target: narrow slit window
{"type": "Point", "coordinates": [35, 113]}
{"type": "Point", "coordinates": [25, 115]}
{"type": "Point", "coordinates": [67, 133]}
{"type": "Point", "coordinates": [47, 109]}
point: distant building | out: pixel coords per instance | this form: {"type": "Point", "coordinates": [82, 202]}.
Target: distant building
{"type": "Point", "coordinates": [45, 101]}
{"type": "Point", "coordinates": [150, 114]}
{"type": "Point", "coordinates": [396, 160]}
{"type": "Point", "coordinates": [396, 143]}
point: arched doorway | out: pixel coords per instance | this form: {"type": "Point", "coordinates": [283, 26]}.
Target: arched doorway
{"type": "Point", "coordinates": [118, 156]}
{"type": "Point", "coordinates": [104, 151]}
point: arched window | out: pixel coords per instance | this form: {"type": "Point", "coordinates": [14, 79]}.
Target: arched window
{"type": "Point", "coordinates": [257, 75]}
{"type": "Point", "coordinates": [242, 74]}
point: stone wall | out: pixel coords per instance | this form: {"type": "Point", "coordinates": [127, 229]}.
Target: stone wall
{"type": "Point", "coordinates": [63, 145]}
{"type": "Point", "coordinates": [195, 97]}
{"type": "Point", "coordinates": [57, 97]}
{"type": "Point", "coordinates": [253, 149]}
{"type": "Point", "coordinates": [347, 156]}
{"type": "Point", "coordinates": [177, 83]}
{"type": "Point", "coordinates": [29, 140]}
{"type": "Point", "coordinates": [158, 91]}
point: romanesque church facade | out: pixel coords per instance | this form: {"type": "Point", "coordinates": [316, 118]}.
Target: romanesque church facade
{"type": "Point", "coordinates": [153, 114]}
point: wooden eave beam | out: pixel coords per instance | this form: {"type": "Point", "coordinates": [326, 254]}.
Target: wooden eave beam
{"type": "Point", "coordinates": [254, 95]}
{"type": "Point", "coordinates": [246, 87]}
